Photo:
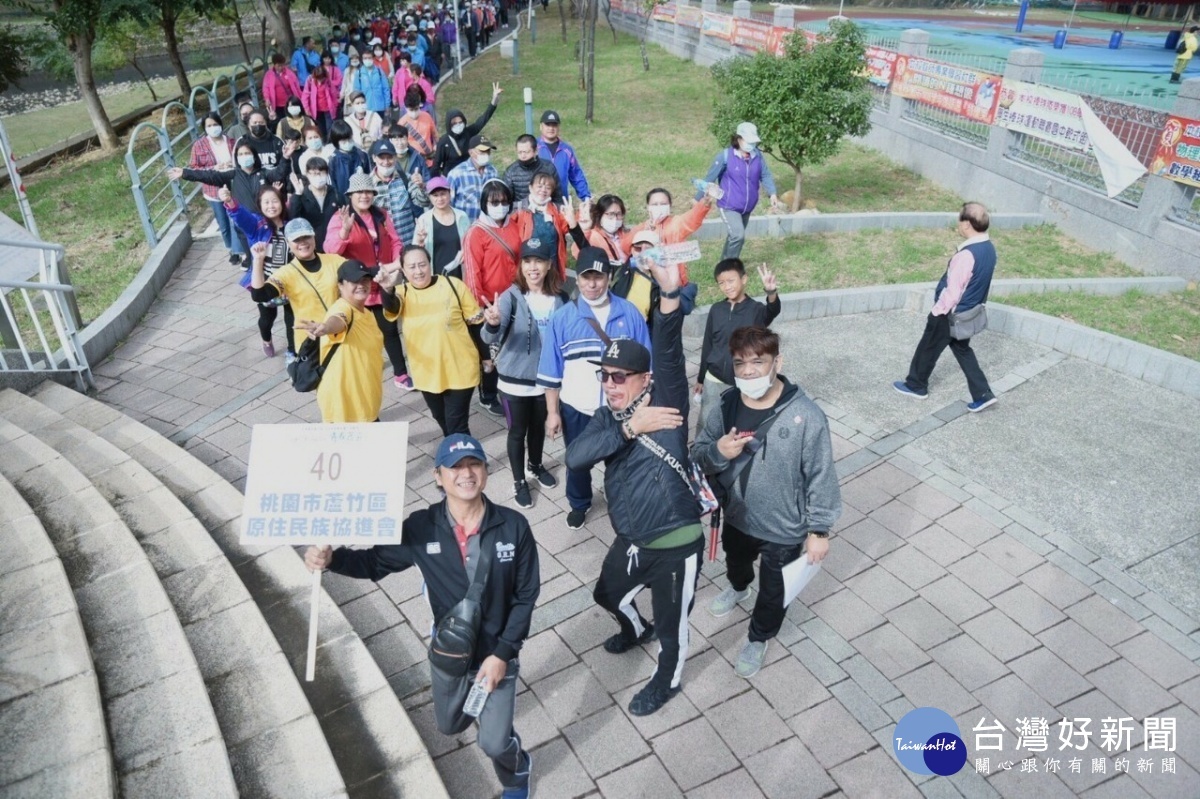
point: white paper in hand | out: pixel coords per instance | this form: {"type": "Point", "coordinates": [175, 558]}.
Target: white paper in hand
{"type": "Point", "coordinates": [796, 575]}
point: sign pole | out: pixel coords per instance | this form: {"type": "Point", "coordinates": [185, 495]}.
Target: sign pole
{"type": "Point", "coordinates": [310, 669]}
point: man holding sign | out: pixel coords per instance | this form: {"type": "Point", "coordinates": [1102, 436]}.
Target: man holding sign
{"type": "Point", "coordinates": [480, 563]}
{"type": "Point", "coordinates": [766, 449]}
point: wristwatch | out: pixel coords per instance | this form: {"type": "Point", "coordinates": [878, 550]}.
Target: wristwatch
{"type": "Point", "coordinates": [670, 295]}
{"type": "Point", "coordinates": [816, 534]}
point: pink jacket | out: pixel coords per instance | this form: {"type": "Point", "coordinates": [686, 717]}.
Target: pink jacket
{"type": "Point", "coordinates": [276, 88]}
{"type": "Point", "coordinates": [400, 85]}
{"type": "Point", "coordinates": [319, 97]}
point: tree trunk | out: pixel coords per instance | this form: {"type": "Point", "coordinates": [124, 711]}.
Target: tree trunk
{"type": "Point", "coordinates": [277, 13]}
{"type": "Point", "coordinates": [608, 19]}
{"type": "Point", "coordinates": [262, 37]}
{"type": "Point", "coordinates": [562, 15]}
{"type": "Point", "coordinates": [583, 31]}
{"type": "Point", "coordinates": [169, 21]}
{"type": "Point", "coordinates": [796, 197]}
{"type": "Point", "coordinates": [237, 23]}
{"type": "Point", "coordinates": [80, 47]}
{"type": "Point", "coordinates": [591, 62]}
{"type": "Point", "coordinates": [133, 62]}
{"type": "Point", "coordinates": [642, 43]}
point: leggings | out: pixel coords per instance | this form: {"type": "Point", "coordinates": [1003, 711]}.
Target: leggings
{"type": "Point", "coordinates": [391, 341]}
{"type": "Point", "coordinates": [267, 314]}
{"type": "Point", "coordinates": [526, 424]}
{"type": "Point", "coordinates": [450, 409]}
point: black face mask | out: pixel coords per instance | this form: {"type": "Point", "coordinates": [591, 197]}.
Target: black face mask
{"type": "Point", "coordinates": [245, 119]}
{"type": "Point", "coordinates": [258, 131]}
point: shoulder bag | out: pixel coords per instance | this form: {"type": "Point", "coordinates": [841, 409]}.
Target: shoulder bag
{"type": "Point", "coordinates": [307, 370]}
{"type": "Point", "coordinates": [453, 646]}
{"type": "Point", "coordinates": [968, 323]}
{"type": "Point", "coordinates": [696, 481]}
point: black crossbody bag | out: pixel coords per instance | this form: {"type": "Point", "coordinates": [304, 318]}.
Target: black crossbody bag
{"type": "Point", "coordinates": [453, 646]}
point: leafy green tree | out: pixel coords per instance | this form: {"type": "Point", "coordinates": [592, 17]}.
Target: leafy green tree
{"type": "Point", "coordinates": [13, 63]}
{"type": "Point", "coordinates": [803, 102]}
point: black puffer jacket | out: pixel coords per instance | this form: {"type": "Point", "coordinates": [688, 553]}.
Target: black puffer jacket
{"type": "Point", "coordinates": [647, 498]}
{"type": "Point", "coordinates": [451, 149]}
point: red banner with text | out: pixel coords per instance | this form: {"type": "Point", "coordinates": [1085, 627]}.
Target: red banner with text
{"type": "Point", "coordinates": [1178, 156]}
{"type": "Point", "coordinates": [962, 91]}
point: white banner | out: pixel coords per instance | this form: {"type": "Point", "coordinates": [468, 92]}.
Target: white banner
{"type": "Point", "coordinates": [1119, 167]}
{"type": "Point", "coordinates": [325, 484]}
{"type": "Point", "coordinates": [1044, 113]}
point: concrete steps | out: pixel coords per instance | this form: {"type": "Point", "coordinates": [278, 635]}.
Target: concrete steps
{"type": "Point", "coordinates": [45, 665]}
{"type": "Point", "coordinates": [165, 737]}
{"type": "Point", "coordinates": [167, 498]}
{"type": "Point", "coordinates": [257, 700]}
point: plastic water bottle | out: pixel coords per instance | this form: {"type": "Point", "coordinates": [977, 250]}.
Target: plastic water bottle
{"type": "Point", "coordinates": [476, 699]}
{"type": "Point", "coordinates": [702, 187]}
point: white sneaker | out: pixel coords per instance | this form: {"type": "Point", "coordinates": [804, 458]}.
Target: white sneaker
{"type": "Point", "coordinates": [725, 601]}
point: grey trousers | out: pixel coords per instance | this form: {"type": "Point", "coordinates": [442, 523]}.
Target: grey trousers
{"type": "Point", "coordinates": [497, 737]}
{"type": "Point", "coordinates": [736, 223]}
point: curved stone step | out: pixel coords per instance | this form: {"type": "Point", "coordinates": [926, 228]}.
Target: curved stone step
{"type": "Point", "coordinates": [257, 699]}
{"type": "Point", "coordinates": [377, 748]}
{"type": "Point", "coordinates": [52, 736]}
{"type": "Point", "coordinates": [165, 738]}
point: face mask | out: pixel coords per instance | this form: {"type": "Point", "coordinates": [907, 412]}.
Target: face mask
{"type": "Point", "coordinates": [748, 147]}
{"type": "Point", "coordinates": [245, 161]}
{"type": "Point", "coordinates": [315, 144]}
{"type": "Point", "coordinates": [413, 110]}
{"type": "Point", "coordinates": [401, 146]}
{"type": "Point", "coordinates": [246, 119]}
{"type": "Point", "coordinates": [611, 225]}
{"type": "Point", "coordinates": [258, 130]}
{"type": "Point", "coordinates": [346, 145]}
{"type": "Point", "coordinates": [355, 63]}
{"type": "Point", "coordinates": [755, 387]}
{"type": "Point", "coordinates": [386, 171]}
{"type": "Point", "coordinates": [659, 212]}
{"type": "Point", "coordinates": [596, 303]}
{"type": "Point", "coordinates": [213, 131]}
{"type": "Point", "coordinates": [355, 37]}
{"type": "Point", "coordinates": [319, 181]}
{"type": "Point", "coordinates": [498, 212]}
{"type": "Point", "coordinates": [367, 62]}
{"type": "Point", "coordinates": [335, 50]}
{"type": "Point", "coordinates": [379, 54]}
{"type": "Point", "coordinates": [458, 129]}
{"type": "Point", "coordinates": [295, 110]}
{"type": "Point", "coordinates": [360, 108]}
{"type": "Point", "coordinates": [482, 159]}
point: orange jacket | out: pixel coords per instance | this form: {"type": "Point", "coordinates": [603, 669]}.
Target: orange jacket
{"type": "Point", "coordinates": [677, 228]}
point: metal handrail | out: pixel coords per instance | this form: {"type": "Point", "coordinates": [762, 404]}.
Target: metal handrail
{"type": "Point", "coordinates": [34, 245]}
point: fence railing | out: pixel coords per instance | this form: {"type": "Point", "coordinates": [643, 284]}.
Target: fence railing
{"type": "Point", "coordinates": [154, 149]}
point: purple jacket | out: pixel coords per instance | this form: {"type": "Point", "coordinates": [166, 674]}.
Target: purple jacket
{"type": "Point", "coordinates": [740, 179]}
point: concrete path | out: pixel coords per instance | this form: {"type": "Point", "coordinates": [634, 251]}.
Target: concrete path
{"type": "Point", "coordinates": [1034, 561]}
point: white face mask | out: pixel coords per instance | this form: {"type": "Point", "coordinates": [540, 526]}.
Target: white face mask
{"type": "Point", "coordinates": [355, 63]}
{"type": "Point", "coordinates": [611, 225]}
{"type": "Point", "coordinates": [360, 109]}
{"type": "Point", "coordinates": [386, 171]}
{"type": "Point", "coordinates": [748, 147]}
{"type": "Point", "coordinates": [498, 212]}
{"type": "Point", "coordinates": [596, 303]}
{"type": "Point", "coordinates": [335, 50]}
{"type": "Point", "coordinates": [315, 144]}
{"type": "Point", "coordinates": [318, 181]}
{"type": "Point", "coordinates": [346, 145]}
{"type": "Point", "coordinates": [482, 159]}
{"type": "Point", "coordinates": [458, 129]}
{"type": "Point", "coordinates": [213, 131]}
{"type": "Point", "coordinates": [658, 212]}
{"type": "Point", "coordinates": [755, 387]}
{"type": "Point", "coordinates": [245, 161]}
{"type": "Point", "coordinates": [295, 110]}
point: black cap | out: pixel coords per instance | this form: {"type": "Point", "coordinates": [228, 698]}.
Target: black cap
{"type": "Point", "coordinates": [537, 248]}
{"type": "Point", "coordinates": [592, 259]}
{"type": "Point", "coordinates": [480, 141]}
{"type": "Point", "coordinates": [550, 118]}
{"type": "Point", "coordinates": [383, 147]}
{"type": "Point", "coordinates": [626, 354]}
{"type": "Point", "coordinates": [353, 271]}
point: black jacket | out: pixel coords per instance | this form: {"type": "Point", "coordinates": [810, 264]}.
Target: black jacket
{"type": "Point", "coordinates": [520, 175]}
{"type": "Point", "coordinates": [305, 205]}
{"type": "Point", "coordinates": [723, 319]}
{"type": "Point", "coordinates": [242, 185]}
{"type": "Point", "coordinates": [269, 149]}
{"type": "Point", "coordinates": [451, 149]}
{"type": "Point", "coordinates": [647, 498]}
{"type": "Point", "coordinates": [428, 542]}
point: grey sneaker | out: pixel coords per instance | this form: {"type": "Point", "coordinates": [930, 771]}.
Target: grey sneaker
{"type": "Point", "coordinates": [751, 658]}
{"type": "Point", "coordinates": [725, 601]}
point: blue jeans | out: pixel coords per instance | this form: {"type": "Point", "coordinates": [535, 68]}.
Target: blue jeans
{"type": "Point", "coordinates": [579, 482]}
{"type": "Point", "coordinates": [232, 242]}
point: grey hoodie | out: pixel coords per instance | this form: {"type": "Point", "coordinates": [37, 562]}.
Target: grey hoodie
{"type": "Point", "coordinates": [789, 486]}
{"type": "Point", "coordinates": [522, 348]}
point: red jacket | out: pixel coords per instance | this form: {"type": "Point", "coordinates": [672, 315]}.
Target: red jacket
{"type": "Point", "coordinates": [524, 220]}
{"type": "Point", "coordinates": [361, 246]}
{"type": "Point", "coordinates": [489, 266]}
{"type": "Point", "coordinates": [277, 88]}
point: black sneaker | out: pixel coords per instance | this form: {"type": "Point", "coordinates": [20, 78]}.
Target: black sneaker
{"type": "Point", "coordinates": [544, 477]}
{"type": "Point", "coordinates": [618, 644]}
{"type": "Point", "coordinates": [492, 406]}
{"type": "Point", "coordinates": [650, 699]}
{"type": "Point", "coordinates": [235, 260]}
{"type": "Point", "coordinates": [575, 519]}
{"type": "Point", "coordinates": [521, 490]}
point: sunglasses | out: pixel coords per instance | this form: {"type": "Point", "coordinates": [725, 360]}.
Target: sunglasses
{"type": "Point", "coordinates": [618, 378]}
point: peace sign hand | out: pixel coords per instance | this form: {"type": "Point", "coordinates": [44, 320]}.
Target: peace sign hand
{"type": "Point", "coordinates": [496, 91]}
{"type": "Point", "coordinates": [491, 311]}
{"type": "Point", "coordinates": [568, 212]}
{"type": "Point", "coordinates": [769, 281]}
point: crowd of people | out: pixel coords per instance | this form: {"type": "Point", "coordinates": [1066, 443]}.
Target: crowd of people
{"type": "Point", "coordinates": [378, 235]}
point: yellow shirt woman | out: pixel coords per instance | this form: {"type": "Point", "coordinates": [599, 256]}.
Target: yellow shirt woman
{"type": "Point", "coordinates": [441, 355]}
{"type": "Point", "coordinates": [351, 389]}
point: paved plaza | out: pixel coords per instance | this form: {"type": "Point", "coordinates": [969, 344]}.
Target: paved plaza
{"type": "Point", "coordinates": [1035, 560]}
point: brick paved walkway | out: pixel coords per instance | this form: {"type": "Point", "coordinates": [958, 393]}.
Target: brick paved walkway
{"type": "Point", "coordinates": [939, 589]}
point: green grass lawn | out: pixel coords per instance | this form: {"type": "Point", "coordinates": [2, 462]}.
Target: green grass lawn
{"type": "Point", "coordinates": [650, 128]}
{"type": "Point", "coordinates": [32, 131]}
{"type": "Point", "coordinates": [1167, 321]}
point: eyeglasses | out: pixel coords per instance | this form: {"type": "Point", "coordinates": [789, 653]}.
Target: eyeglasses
{"type": "Point", "coordinates": [618, 378]}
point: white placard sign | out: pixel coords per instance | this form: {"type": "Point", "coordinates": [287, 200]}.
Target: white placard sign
{"type": "Point", "coordinates": [325, 484]}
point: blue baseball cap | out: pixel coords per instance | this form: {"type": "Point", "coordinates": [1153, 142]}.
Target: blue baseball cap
{"type": "Point", "coordinates": [456, 447]}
